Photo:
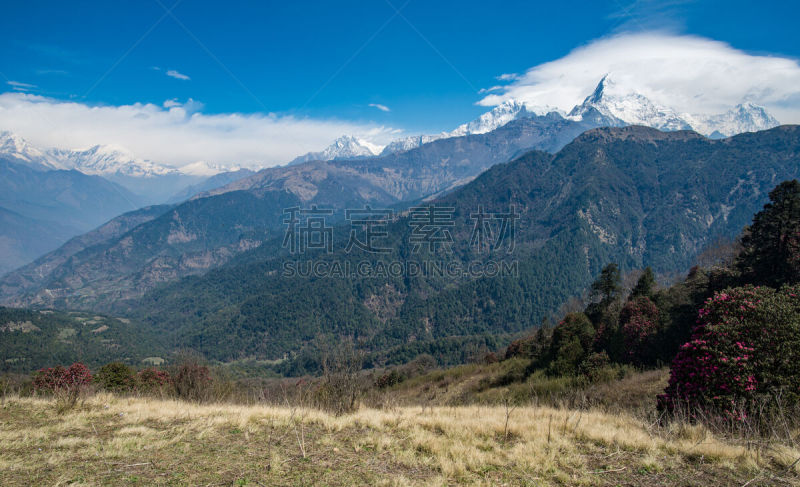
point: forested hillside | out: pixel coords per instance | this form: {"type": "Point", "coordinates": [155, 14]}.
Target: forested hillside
{"type": "Point", "coordinates": [207, 231]}
{"type": "Point", "coordinates": [631, 195]}
{"type": "Point", "coordinates": [33, 339]}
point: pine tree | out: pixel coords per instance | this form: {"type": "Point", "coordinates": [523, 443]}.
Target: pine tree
{"type": "Point", "coordinates": [645, 285]}
{"type": "Point", "coordinates": [608, 286]}
{"type": "Point", "coordinates": [771, 245]}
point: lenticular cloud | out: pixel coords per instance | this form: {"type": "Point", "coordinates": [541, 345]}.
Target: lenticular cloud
{"type": "Point", "coordinates": [686, 73]}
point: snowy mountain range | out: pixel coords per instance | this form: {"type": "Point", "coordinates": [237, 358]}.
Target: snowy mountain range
{"type": "Point", "coordinates": [14, 147]}
{"type": "Point", "coordinates": [99, 160]}
{"type": "Point", "coordinates": [105, 160]}
{"type": "Point", "coordinates": [745, 117]}
{"type": "Point", "coordinates": [616, 106]}
{"type": "Point", "coordinates": [627, 107]}
{"type": "Point", "coordinates": [610, 104]}
{"type": "Point", "coordinates": [152, 182]}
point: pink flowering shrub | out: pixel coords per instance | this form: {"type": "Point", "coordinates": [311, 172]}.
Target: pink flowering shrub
{"type": "Point", "coordinates": [60, 378]}
{"type": "Point", "coordinates": [639, 322]}
{"type": "Point", "coordinates": [152, 379]}
{"type": "Point", "coordinates": [745, 346]}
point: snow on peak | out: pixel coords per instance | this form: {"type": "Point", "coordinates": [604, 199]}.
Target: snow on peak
{"type": "Point", "coordinates": [500, 115]}
{"type": "Point", "coordinates": [629, 106]}
{"type": "Point", "coordinates": [349, 146]}
{"type": "Point", "coordinates": [104, 160]}
{"type": "Point", "coordinates": [14, 146]}
{"type": "Point", "coordinates": [745, 117]}
{"type": "Point", "coordinates": [98, 160]}
{"type": "Point", "coordinates": [407, 143]}
{"type": "Point", "coordinates": [495, 118]}
{"type": "Point", "coordinates": [344, 147]}
{"type": "Point", "coordinates": [626, 106]}
{"type": "Point", "coordinates": [204, 168]}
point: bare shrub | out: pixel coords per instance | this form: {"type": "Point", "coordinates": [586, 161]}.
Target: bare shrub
{"type": "Point", "coordinates": [192, 381]}
{"type": "Point", "coordinates": [339, 388]}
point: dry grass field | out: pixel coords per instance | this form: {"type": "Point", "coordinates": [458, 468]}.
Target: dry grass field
{"type": "Point", "coordinates": [109, 440]}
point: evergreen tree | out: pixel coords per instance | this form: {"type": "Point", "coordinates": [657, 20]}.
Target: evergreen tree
{"type": "Point", "coordinates": [605, 294]}
{"type": "Point", "coordinates": [570, 345]}
{"type": "Point", "coordinates": [608, 285]}
{"type": "Point", "coordinates": [771, 245]}
{"type": "Point", "coordinates": [645, 285]}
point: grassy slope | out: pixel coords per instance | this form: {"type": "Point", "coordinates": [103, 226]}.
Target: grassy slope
{"type": "Point", "coordinates": [505, 381]}
{"type": "Point", "coordinates": [117, 441]}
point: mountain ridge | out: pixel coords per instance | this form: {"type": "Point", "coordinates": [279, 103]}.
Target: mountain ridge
{"type": "Point", "coordinates": [47, 207]}
{"type": "Point", "coordinates": [193, 239]}
{"type": "Point", "coordinates": [612, 105]}
{"type": "Point", "coordinates": [632, 195]}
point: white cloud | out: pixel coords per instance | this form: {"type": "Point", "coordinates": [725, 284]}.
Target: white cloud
{"type": "Point", "coordinates": [507, 77]}
{"type": "Point", "coordinates": [380, 107]}
{"type": "Point", "coordinates": [16, 85]}
{"type": "Point", "coordinates": [177, 133]}
{"type": "Point", "coordinates": [687, 73]}
{"type": "Point", "coordinates": [177, 75]}
{"type": "Point", "coordinates": [490, 89]}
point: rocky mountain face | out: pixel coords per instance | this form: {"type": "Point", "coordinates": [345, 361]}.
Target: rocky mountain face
{"type": "Point", "coordinates": [427, 170]}
{"type": "Point", "coordinates": [211, 228]}
{"type": "Point", "coordinates": [632, 195]}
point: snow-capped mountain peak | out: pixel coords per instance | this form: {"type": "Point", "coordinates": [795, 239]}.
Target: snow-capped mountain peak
{"type": "Point", "coordinates": [407, 143]}
{"type": "Point", "coordinates": [500, 115]}
{"type": "Point", "coordinates": [99, 160]}
{"type": "Point", "coordinates": [349, 146]}
{"type": "Point", "coordinates": [619, 104]}
{"type": "Point", "coordinates": [745, 117]}
{"type": "Point", "coordinates": [495, 118]}
{"type": "Point", "coordinates": [625, 106]}
{"type": "Point", "coordinates": [15, 147]}
{"type": "Point", "coordinates": [344, 147]}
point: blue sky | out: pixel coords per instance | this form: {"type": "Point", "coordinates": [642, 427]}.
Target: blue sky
{"type": "Point", "coordinates": [337, 60]}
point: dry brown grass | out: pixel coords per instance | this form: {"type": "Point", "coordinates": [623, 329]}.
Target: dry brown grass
{"type": "Point", "coordinates": [107, 440]}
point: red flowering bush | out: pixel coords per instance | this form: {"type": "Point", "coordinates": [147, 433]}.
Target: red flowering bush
{"type": "Point", "coordinates": [153, 380]}
{"type": "Point", "coordinates": [639, 323]}
{"type": "Point", "coordinates": [745, 346]}
{"type": "Point", "coordinates": [59, 378]}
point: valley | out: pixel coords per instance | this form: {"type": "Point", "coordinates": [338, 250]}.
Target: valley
{"type": "Point", "coordinates": [422, 243]}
